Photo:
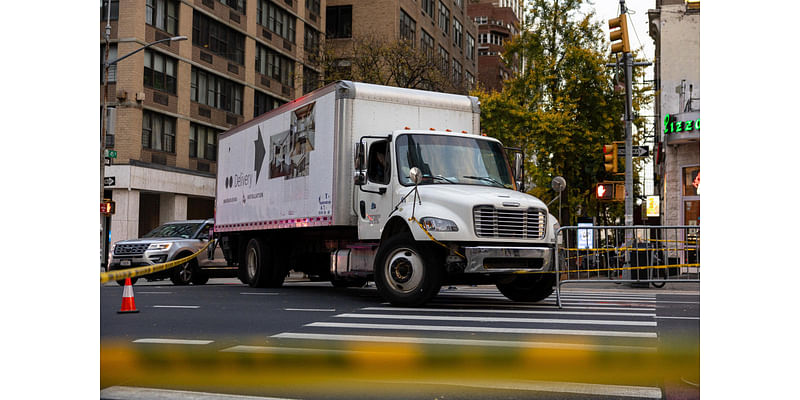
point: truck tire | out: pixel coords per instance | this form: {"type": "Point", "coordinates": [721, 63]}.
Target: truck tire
{"type": "Point", "coordinates": [529, 288]}
{"type": "Point", "coordinates": [262, 271]}
{"type": "Point", "coordinates": [407, 273]}
{"type": "Point", "coordinates": [183, 274]}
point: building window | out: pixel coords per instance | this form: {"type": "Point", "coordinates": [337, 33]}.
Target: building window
{"type": "Point", "coordinates": [112, 69]}
{"type": "Point", "coordinates": [310, 80]}
{"type": "Point", "coordinates": [444, 60]}
{"type": "Point", "coordinates": [470, 47]}
{"type": "Point", "coordinates": [311, 43]}
{"type": "Point", "coordinates": [163, 14]}
{"type": "Point", "coordinates": [274, 65]}
{"type": "Point", "coordinates": [460, 3]}
{"type": "Point", "coordinates": [238, 5]}
{"type": "Point", "coordinates": [457, 33]}
{"type": "Point", "coordinates": [470, 81]}
{"type": "Point", "coordinates": [276, 19]}
{"type": "Point", "coordinates": [202, 142]}
{"type": "Point", "coordinates": [217, 38]}
{"type": "Point", "coordinates": [111, 125]}
{"type": "Point", "coordinates": [160, 71]}
{"type": "Point", "coordinates": [444, 18]}
{"type": "Point", "coordinates": [264, 103]}
{"type": "Point", "coordinates": [215, 91]}
{"type": "Point", "coordinates": [313, 6]}
{"type": "Point", "coordinates": [158, 132]}
{"type": "Point", "coordinates": [457, 72]}
{"type": "Point", "coordinates": [114, 10]}
{"type": "Point", "coordinates": [482, 20]}
{"type": "Point", "coordinates": [339, 22]}
{"type": "Point", "coordinates": [428, 8]}
{"type": "Point", "coordinates": [426, 43]}
{"type": "Point", "coordinates": [408, 28]}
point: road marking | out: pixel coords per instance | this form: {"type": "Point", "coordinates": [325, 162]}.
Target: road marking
{"type": "Point", "coordinates": [483, 329]}
{"type": "Point", "coordinates": [173, 341]}
{"type": "Point", "coordinates": [499, 319]}
{"type": "Point", "coordinates": [259, 293]}
{"type": "Point", "coordinates": [289, 350]}
{"type": "Point", "coordinates": [555, 387]}
{"type": "Point", "coordinates": [311, 309]}
{"type": "Point", "coordinates": [533, 306]}
{"type": "Point", "coordinates": [678, 317]}
{"type": "Point", "coordinates": [125, 392]}
{"type": "Point", "coordinates": [176, 306]}
{"type": "Point", "coordinates": [153, 292]}
{"type": "Point", "coordinates": [475, 310]}
{"type": "Point", "coordinates": [465, 342]}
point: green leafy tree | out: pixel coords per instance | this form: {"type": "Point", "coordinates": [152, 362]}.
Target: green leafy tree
{"type": "Point", "coordinates": [562, 107]}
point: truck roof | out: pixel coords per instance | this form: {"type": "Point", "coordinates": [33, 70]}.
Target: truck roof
{"type": "Point", "coordinates": [368, 91]}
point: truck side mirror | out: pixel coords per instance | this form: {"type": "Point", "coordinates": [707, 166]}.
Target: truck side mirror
{"type": "Point", "coordinates": [415, 175]}
{"type": "Point", "coordinates": [518, 171]}
{"type": "Point", "coordinates": [358, 158]}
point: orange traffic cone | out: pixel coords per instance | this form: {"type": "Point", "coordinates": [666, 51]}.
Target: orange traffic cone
{"type": "Point", "coordinates": [128, 304]}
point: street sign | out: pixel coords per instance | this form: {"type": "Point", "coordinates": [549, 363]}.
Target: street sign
{"type": "Point", "coordinates": [109, 181]}
{"type": "Point", "coordinates": [111, 153]}
{"type": "Point", "coordinates": [638, 151]}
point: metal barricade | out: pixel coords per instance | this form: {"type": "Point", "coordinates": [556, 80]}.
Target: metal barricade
{"type": "Point", "coordinates": [627, 254]}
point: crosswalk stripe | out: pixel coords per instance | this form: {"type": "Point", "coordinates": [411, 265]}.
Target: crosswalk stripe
{"type": "Point", "coordinates": [465, 342]}
{"type": "Point", "coordinates": [539, 306]}
{"type": "Point", "coordinates": [499, 311]}
{"type": "Point", "coordinates": [483, 329]}
{"type": "Point", "coordinates": [596, 389]}
{"type": "Point", "coordinates": [497, 319]}
{"type": "Point", "coordinates": [172, 341]}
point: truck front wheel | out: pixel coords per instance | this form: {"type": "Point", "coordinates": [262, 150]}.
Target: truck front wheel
{"type": "Point", "coordinates": [407, 273]}
{"type": "Point", "coordinates": [529, 287]}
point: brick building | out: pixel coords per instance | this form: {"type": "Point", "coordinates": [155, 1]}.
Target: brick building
{"type": "Point", "coordinates": [497, 22]}
{"type": "Point", "coordinates": [168, 103]}
{"type": "Point", "coordinates": [442, 26]}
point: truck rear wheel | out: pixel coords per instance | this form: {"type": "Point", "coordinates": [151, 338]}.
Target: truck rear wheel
{"type": "Point", "coordinates": [262, 271]}
{"type": "Point", "coordinates": [407, 273]}
{"type": "Point", "coordinates": [529, 287]}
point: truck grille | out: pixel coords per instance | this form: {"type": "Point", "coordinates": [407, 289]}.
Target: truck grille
{"type": "Point", "coordinates": [130, 249]}
{"type": "Point", "coordinates": [508, 223]}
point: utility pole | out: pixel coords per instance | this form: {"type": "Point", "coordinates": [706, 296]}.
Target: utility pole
{"type": "Point", "coordinates": [103, 132]}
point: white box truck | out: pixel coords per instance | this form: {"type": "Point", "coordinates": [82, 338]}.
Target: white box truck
{"type": "Point", "coordinates": [356, 182]}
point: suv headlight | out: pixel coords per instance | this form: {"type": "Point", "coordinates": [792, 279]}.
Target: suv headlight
{"type": "Point", "coordinates": [438, 224]}
{"type": "Point", "coordinates": [159, 246]}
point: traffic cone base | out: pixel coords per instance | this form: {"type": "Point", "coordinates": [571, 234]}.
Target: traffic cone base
{"type": "Point", "coordinates": [128, 303]}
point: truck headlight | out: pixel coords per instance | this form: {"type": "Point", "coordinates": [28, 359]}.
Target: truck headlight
{"type": "Point", "coordinates": [438, 224]}
{"type": "Point", "coordinates": [159, 246]}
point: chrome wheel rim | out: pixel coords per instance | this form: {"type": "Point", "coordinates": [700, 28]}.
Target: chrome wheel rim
{"type": "Point", "coordinates": [185, 272]}
{"type": "Point", "coordinates": [403, 270]}
{"type": "Point", "coordinates": [252, 262]}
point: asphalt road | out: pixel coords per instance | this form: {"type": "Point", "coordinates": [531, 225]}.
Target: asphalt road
{"type": "Point", "coordinates": [609, 341]}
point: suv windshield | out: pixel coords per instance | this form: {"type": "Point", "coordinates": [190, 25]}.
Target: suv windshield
{"type": "Point", "coordinates": [453, 160]}
{"type": "Point", "coordinates": [185, 230]}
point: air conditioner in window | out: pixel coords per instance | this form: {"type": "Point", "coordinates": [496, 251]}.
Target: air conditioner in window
{"type": "Point", "coordinates": [140, 96]}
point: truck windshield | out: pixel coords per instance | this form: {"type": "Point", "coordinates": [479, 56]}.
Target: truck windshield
{"type": "Point", "coordinates": [453, 160]}
{"type": "Point", "coordinates": [174, 230]}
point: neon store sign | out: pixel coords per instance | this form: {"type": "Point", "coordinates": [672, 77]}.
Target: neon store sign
{"type": "Point", "coordinates": [671, 125]}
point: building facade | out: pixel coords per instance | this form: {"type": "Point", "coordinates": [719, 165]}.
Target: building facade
{"type": "Point", "coordinates": [441, 27]}
{"type": "Point", "coordinates": [675, 29]}
{"type": "Point", "coordinates": [168, 103]}
{"type": "Point", "coordinates": [498, 22]}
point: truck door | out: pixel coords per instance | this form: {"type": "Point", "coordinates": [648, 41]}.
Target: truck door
{"type": "Point", "coordinates": [374, 197]}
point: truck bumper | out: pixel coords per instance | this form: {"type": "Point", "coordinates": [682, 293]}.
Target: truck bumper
{"type": "Point", "coordinates": [485, 259]}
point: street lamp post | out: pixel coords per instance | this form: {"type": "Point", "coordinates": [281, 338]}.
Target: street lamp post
{"type": "Point", "coordinates": [106, 65]}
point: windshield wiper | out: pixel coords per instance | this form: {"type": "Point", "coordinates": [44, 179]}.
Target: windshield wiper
{"type": "Point", "coordinates": [440, 177]}
{"type": "Point", "coordinates": [485, 179]}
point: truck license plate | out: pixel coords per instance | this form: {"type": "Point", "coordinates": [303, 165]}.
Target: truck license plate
{"type": "Point", "coordinates": [125, 263]}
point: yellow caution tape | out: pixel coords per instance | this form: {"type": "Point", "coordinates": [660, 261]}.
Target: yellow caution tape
{"type": "Point", "coordinates": [146, 270]}
{"type": "Point", "coordinates": [433, 239]}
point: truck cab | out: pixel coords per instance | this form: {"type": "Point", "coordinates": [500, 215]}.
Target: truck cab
{"type": "Point", "coordinates": [449, 199]}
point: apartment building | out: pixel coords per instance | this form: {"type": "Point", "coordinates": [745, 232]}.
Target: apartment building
{"type": "Point", "coordinates": [440, 27]}
{"type": "Point", "coordinates": [497, 22]}
{"type": "Point", "coordinates": [168, 103]}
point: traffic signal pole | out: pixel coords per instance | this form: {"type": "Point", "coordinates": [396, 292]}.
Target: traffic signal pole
{"type": "Point", "coordinates": [628, 138]}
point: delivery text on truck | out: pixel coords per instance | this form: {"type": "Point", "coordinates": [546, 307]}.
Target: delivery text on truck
{"type": "Point", "coordinates": [357, 182]}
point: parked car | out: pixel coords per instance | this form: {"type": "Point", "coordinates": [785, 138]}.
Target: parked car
{"type": "Point", "coordinates": [169, 242]}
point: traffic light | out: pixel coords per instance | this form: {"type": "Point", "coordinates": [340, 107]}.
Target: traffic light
{"type": "Point", "coordinates": [610, 157]}
{"type": "Point", "coordinates": [604, 191]}
{"type": "Point", "coordinates": [107, 207]}
{"type": "Point", "coordinates": [620, 34]}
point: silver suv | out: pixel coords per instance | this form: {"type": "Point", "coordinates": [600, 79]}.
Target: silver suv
{"type": "Point", "coordinates": [168, 242]}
